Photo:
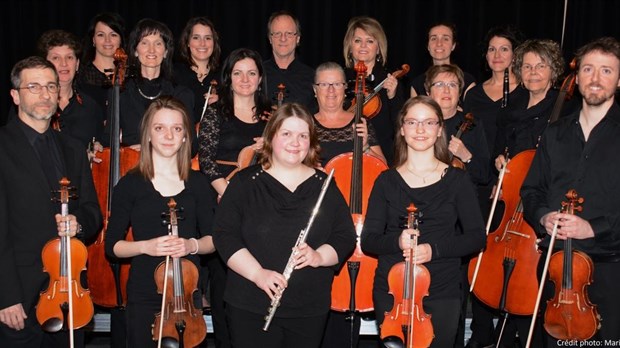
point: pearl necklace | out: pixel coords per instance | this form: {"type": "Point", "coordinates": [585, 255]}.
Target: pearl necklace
{"type": "Point", "coordinates": [425, 176]}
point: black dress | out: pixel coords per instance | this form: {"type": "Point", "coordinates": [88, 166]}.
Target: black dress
{"type": "Point", "coordinates": [336, 141]}
{"type": "Point", "coordinates": [444, 204]}
{"type": "Point", "coordinates": [185, 76]}
{"type": "Point", "coordinates": [137, 204]}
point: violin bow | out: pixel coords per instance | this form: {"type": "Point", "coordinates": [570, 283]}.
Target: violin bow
{"type": "Point", "coordinates": [500, 181]}
{"type": "Point", "coordinates": [204, 107]}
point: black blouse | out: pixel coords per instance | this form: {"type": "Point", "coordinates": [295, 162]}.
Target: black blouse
{"type": "Point", "coordinates": [258, 213]}
{"type": "Point", "coordinates": [336, 141]}
{"type": "Point", "coordinates": [444, 204]}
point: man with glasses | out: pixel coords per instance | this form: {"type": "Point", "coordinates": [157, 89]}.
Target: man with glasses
{"type": "Point", "coordinates": [284, 68]}
{"type": "Point", "coordinates": [34, 158]}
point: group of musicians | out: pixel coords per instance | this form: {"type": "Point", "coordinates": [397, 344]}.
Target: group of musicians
{"type": "Point", "coordinates": [267, 236]}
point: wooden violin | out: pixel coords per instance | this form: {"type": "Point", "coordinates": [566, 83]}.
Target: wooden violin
{"type": "Point", "coordinates": [179, 323]}
{"type": "Point", "coordinates": [372, 102]}
{"type": "Point", "coordinates": [570, 315]}
{"type": "Point", "coordinates": [355, 174]}
{"type": "Point", "coordinates": [467, 124]}
{"type": "Point", "coordinates": [407, 325]}
{"type": "Point", "coordinates": [65, 305]}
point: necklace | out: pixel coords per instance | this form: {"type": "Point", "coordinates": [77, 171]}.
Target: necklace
{"type": "Point", "coordinates": [148, 96]}
{"type": "Point", "coordinates": [425, 176]}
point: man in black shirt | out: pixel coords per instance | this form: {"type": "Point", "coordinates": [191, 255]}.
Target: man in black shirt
{"type": "Point", "coordinates": [284, 33]}
{"type": "Point", "coordinates": [34, 158]}
{"type": "Point", "coordinates": [579, 152]}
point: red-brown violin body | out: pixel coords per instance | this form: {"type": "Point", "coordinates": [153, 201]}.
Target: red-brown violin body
{"type": "Point", "coordinates": [407, 325]}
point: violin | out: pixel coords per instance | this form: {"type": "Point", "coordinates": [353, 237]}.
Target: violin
{"type": "Point", "coordinates": [355, 174]}
{"type": "Point", "coordinates": [65, 305]}
{"type": "Point", "coordinates": [107, 279]}
{"type": "Point", "coordinates": [467, 124]}
{"type": "Point", "coordinates": [372, 101]}
{"type": "Point", "coordinates": [407, 325]}
{"type": "Point", "coordinates": [280, 94]}
{"type": "Point", "coordinates": [179, 323]}
{"type": "Point", "coordinates": [570, 315]}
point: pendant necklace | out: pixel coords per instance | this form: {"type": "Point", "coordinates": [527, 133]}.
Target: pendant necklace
{"type": "Point", "coordinates": [425, 176]}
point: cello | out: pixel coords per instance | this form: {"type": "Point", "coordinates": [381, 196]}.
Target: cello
{"type": "Point", "coordinates": [65, 305]}
{"type": "Point", "coordinates": [107, 279]}
{"type": "Point", "coordinates": [355, 174]}
{"type": "Point", "coordinates": [407, 325]}
{"type": "Point", "coordinates": [511, 252]}
{"type": "Point", "coordinates": [179, 323]}
{"type": "Point", "coordinates": [372, 102]}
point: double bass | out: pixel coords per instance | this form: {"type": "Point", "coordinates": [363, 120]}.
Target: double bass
{"type": "Point", "coordinates": [107, 279]}
{"type": "Point", "coordinates": [407, 325]}
{"type": "Point", "coordinates": [179, 323]}
{"type": "Point", "coordinates": [65, 305]}
{"type": "Point", "coordinates": [355, 174]}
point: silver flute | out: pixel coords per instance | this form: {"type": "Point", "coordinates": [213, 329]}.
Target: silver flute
{"type": "Point", "coordinates": [290, 265]}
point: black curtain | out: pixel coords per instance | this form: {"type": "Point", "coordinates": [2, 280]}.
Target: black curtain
{"type": "Point", "coordinates": [243, 24]}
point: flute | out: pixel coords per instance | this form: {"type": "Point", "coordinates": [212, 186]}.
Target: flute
{"type": "Point", "coordinates": [290, 265]}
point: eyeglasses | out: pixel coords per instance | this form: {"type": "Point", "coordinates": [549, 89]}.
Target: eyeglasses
{"type": "Point", "coordinates": [442, 84]}
{"type": "Point", "coordinates": [336, 85]}
{"type": "Point", "coordinates": [537, 67]}
{"type": "Point", "coordinates": [287, 34]}
{"type": "Point", "coordinates": [36, 88]}
{"type": "Point", "coordinates": [424, 123]}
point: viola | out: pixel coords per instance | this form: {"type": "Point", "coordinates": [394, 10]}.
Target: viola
{"type": "Point", "coordinates": [355, 174]}
{"type": "Point", "coordinates": [407, 325]}
{"type": "Point", "coordinates": [65, 305]}
{"type": "Point", "coordinates": [570, 315]}
{"type": "Point", "coordinates": [107, 279]}
{"type": "Point", "coordinates": [466, 125]}
{"type": "Point", "coordinates": [179, 323]}
{"type": "Point", "coordinates": [372, 101]}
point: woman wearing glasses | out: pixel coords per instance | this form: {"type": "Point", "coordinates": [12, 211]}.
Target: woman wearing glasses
{"type": "Point", "coordinates": [365, 41]}
{"type": "Point", "coordinates": [444, 196]}
{"type": "Point", "coordinates": [335, 125]}
{"type": "Point", "coordinates": [444, 84]}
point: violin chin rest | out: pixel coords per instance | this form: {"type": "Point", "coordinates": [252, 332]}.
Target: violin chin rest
{"type": "Point", "coordinates": [393, 342]}
{"type": "Point", "coordinates": [52, 325]}
{"type": "Point", "coordinates": [169, 342]}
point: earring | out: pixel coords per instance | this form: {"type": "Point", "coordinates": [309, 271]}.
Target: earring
{"type": "Point", "coordinates": [183, 139]}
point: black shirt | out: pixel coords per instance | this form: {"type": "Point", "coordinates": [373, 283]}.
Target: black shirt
{"type": "Point", "coordinates": [257, 212]}
{"type": "Point", "coordinates": [297, 78]}
{"type": "Point", "coordinates": [565, 160]}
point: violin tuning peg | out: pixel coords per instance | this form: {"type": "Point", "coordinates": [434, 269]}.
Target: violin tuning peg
{"type": "Point", "coordinates": [164, 222]}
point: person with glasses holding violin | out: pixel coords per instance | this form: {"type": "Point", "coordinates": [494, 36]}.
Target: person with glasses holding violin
{"type": "Point", "coordinates": [445, 198]}
{"type": "Point", "coordinates": [34, 158]}
{"type": "Point", "coordinates": [284, 67]}
{"type": "Point", "coordinates": [365, 41]}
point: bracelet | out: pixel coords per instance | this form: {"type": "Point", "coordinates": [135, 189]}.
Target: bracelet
{"type": "Point", "coordinates": [197, 247]}
{"type": "Point", "coordinates": [469, 160]}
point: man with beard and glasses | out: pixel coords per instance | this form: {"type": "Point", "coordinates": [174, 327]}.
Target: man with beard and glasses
{"type": "Point", "coordinates": [579, 152]}
{"type": "Point", "coordinates": [34, 158]}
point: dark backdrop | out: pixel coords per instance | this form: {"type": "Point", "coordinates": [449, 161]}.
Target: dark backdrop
{"type": "Point", "coordinates": [243, 23]}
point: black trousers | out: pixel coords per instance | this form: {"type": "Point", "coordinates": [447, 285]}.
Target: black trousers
{"type": "Point", "coordinates": [246, 329]}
